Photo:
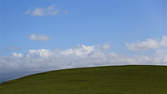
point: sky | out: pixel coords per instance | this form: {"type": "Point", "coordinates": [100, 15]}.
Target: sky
{"type": "Point", "coordinates": [38, 36]}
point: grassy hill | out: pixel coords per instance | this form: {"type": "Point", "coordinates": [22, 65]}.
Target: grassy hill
{"type": "Point", "coordinates": [99, 80]}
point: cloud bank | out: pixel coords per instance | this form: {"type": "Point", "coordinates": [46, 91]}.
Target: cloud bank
{"type": "Point", "coordinates": [40, 60]}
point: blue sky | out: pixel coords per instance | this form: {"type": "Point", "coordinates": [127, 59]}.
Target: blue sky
{"type": "Point", "coordinates": [86, 22]}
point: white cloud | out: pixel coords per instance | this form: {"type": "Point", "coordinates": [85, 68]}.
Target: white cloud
{"type": "Point", "coordinates": [148, 44]}
{"type": "Point", "coordinates": [79, 51]}
{"type": "Point", "coordinates": [49, 11]}
{"type": "Point", "coordinates": [41, 60]}
{"type": "Point", "coordinates": [38, 12]}
{"type": "Point", "coordinates": [106, 46]}
{"type": "Point", "coordinates": [17, 55]}
{"type": "Point", "coordinates": [163, 41]}
{"type": "Point", "coordinates": [38, 37]}
{"type": "Point", "coordinates": [40, 52]}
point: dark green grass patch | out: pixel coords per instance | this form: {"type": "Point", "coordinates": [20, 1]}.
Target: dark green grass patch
{"type": "Point", "coordinates": [99, 80]}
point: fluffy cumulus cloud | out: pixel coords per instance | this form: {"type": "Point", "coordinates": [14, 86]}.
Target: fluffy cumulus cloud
{"type": "Point", "coordinates": [40, 60]}
{"type": "Point", "coordinates": [49, 11]}
{"type": "Point", "coordinates": [35, 37]}
{"type": "Point", "coordinates": [148, 44]}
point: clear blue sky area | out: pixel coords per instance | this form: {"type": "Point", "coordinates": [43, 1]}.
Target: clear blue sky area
{"type": "Point", "coordinates": [87, 22]}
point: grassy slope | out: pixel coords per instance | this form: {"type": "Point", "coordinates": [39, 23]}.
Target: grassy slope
{"type": "Point", "coordinates": [100, 80]}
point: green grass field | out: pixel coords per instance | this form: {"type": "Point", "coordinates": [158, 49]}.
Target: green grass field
{"type": "Point", "coordinates": [99, 80]}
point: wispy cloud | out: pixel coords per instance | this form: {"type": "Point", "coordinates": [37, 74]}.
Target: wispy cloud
{"type": "Point", "coordinates": [35, 37]}
{"type": "Point", "coordinates": [49, 11]}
